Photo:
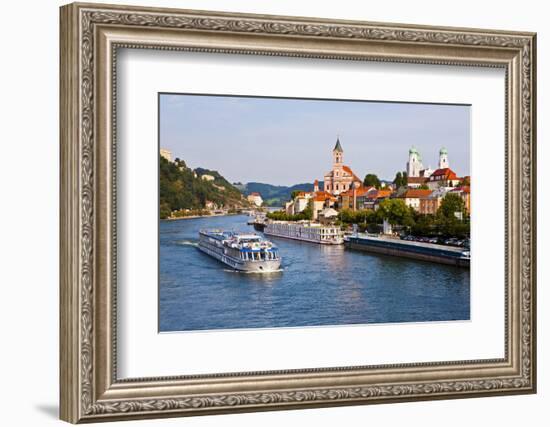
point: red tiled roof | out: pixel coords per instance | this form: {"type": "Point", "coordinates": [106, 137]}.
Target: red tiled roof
{"type": "Point", "coordinates": [361, 191]}
{"type": "Point", "coordinates": [383, 193]}
{"type": "Point", "coordinates": [462, 189]}
{"type": "Point", "coordinates": [445, 172]}
{"type": "Point", "coordinates": [321, 196]}
{"type": "Point", "coordinates": [255, 194]}
{"type": "Point", "coordinates": [348, 170]}
{"type": "Point", "coordinates": [416, 193]}
{"type": "Point", "coordinates": [416, 180]}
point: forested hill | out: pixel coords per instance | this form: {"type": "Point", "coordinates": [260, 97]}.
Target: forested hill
{"type": "Point", "coordinates": [183, 188]}
{"type": "Point", "coordinates": [275, 195]}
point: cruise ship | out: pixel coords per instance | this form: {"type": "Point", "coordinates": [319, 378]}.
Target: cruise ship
{"type": "Point", "coordinates": [306, 231]}
{"type": "Point", "coordinates": [243, 252]}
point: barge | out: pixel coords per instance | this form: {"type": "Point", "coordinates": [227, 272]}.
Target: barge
{"type": "Point", "coordinates": [416, 250]}
{"type": "Point", "coordinates": [240, 251]}
{"type": "Point", "coordinates": [305, 231]}
{"type": "Point", "coordinates": [258, 222]}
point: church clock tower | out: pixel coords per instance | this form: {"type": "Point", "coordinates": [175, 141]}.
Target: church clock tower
{"type": "Point", "coordinates": [340, 178]}
{"type": "Point", "coordinates": [338, 154]}
{"type": "Point", "coordinates": [414, 165]}
{"type": "Point", "coordinates": [443, 158]}
{"type": "Point", "coordinates": [337, 164]}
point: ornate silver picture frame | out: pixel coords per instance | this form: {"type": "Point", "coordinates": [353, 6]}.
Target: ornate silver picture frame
{"type": "Point", "coordinates": [91, 390]}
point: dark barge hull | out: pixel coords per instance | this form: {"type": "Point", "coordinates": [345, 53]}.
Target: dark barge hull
{"type": "Point", "coordinates": [424, 252]}
{"type": "Point", "coordinates": [259, 226]}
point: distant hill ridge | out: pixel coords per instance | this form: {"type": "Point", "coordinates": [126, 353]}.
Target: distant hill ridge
{"type": "Point", "coordinates": [274, 195]}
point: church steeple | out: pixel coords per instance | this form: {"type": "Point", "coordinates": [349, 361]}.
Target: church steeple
{"type": "Point", "coordinates": [338, 146]}
{"type": "Point", "coordinates": [443, 158]}
{"type": "Point", "coordinates": [338, 153]}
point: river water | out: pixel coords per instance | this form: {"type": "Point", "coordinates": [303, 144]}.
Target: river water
{"type": "Point", "coordinates": [318, 285]}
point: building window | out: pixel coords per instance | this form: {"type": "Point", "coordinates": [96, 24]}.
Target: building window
{"type": "Point", "coordinates": [337, 186]}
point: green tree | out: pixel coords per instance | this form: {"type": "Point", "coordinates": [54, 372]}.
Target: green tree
{"type": "Point", "coordinates": [396, 212]}
{"type": "Point", "coordinates": [400, 179]}
{"type": "Point", "coordinates": [424, 225]}
{"type": "Point", "coordinates": [165, 211]}
{"type": "Point", "coordinates": [451, 205]}
{"type": "Point", "coordinates": [306, 214]}
{"type": "Point", "coordinates": [308, 211]}
{"type": "Point", "coordinates": [371, 180]}
{"type": "Point", "coordinates": [447, 221]}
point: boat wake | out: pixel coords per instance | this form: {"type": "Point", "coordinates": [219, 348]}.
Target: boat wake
{"type": "Point", "coordinates": [279, 270]}
{"type": "Point", "coordinates": [187, 243]}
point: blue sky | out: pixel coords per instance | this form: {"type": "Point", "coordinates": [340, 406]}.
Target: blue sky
{"type": "Point", "coordinates": [288, 141]}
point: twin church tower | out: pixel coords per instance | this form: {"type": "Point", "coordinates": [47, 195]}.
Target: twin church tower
{"type": "Point", "coordinates": [415, 168]}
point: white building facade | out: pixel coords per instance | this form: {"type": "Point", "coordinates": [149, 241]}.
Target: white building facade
{"type": "Point", "coordinates": [443, 159]}
{"type": "Point", "coordinates": [414, 165]}
{"type": "Point", "coordinates": [255, 198]}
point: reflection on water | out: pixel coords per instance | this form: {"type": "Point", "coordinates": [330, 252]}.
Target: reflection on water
{"type": "Point", "coordinates": [318, 285]}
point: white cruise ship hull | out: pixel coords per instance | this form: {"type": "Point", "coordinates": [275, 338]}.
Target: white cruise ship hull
{"type": "Point", "coordinates": [228, 256]}
{"type": "Point", "coordinates": [305, 234]}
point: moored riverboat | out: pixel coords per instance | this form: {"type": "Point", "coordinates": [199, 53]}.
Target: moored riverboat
{"type": "Point", "coordinates": [241, 251]}
{"type": "Point", "coordinates": [306, 231]}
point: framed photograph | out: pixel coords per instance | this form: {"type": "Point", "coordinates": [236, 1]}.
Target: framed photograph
{"type": "Point", "coordinates": [266, 212]}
